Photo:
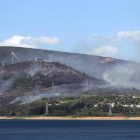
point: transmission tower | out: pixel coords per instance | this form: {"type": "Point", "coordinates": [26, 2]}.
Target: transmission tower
{"type": "Point", "coordinates": [3, 62]}
{"type": "Point", "coordinates": [110, 112]}
{"type": "Point", "coordinates": [47, 110]}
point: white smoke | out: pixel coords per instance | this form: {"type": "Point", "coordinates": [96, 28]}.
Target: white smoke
{"type": "Point", "coordinates": [34, 97]}
{"type": "Point", "coordinates": [125, 76]}
{"type": "Point", "coordinates": [5, 85]}
{"type": "Point", "coordinates": [31, 98]}
{"type": "Point", "coordinates": [34, 71]}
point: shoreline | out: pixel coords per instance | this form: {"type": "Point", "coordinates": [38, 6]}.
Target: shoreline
{"type": "Point", "coordinates": [71, 118]}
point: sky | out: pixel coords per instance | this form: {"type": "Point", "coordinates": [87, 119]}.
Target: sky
{"type": "Point", "coordinates": [109, 28]}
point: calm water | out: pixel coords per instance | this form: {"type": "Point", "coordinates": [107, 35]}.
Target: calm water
{"type": "Point", "coordinates": [69, 130]}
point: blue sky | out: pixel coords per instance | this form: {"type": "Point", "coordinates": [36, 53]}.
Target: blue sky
{"type": "Point", "coordinates": [96, 27]}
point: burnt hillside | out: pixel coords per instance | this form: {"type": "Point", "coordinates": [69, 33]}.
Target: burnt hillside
{"type": "Point", "coordinates": [89, 64]}
{"type": "Point", "coordinates": [33, 74]}
{"type": "Point", "coordinates": [37, 78]}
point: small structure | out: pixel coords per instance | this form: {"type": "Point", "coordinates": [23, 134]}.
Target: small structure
{"type": "Point", "coordinates": [132, 106]}
{"type": "Point", "coordinates": [137, 106]}
{"type": "Point", "coordinates": [125, 105]}
{"type": "Point", "coordinates": [39, 60]}
{"type": "Point", "coordinates": [113, 104]}
{"type": "Point", "coordinates": [47, 61]}
{"type": "Point", "coordinates": [134, 97]}
{"type": "Point", "coordinates": [96, 106]}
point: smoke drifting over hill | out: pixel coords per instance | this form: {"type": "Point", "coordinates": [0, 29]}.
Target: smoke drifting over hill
{"type": "Point", "coordinates": [5, 85]}
{"type": "Point", "coordinates": [123, 76]}
{"type": "Point", "coordinates": [30, 81]}
{"type": "Point", "coordinates": [114, 71]}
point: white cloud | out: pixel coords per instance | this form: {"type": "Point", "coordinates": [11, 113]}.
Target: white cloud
{"type": "Point", "coordinates": [29, 42]}
{"type": "Point", "coordinates": [121, 36]}
{"type": "Point", "coordinates": [106, 51]}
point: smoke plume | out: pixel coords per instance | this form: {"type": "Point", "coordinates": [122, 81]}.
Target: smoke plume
{"type": "Point", "coordinates": [124, 76]}
{"type": "Point", "coordinates": [34, 97]}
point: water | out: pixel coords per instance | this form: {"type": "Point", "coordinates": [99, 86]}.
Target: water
{"type": "Point", "coordinates": [69, 130]}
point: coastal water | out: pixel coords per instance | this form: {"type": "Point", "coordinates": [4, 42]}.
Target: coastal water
{"type": "Point", "coordinates": [69, 130]}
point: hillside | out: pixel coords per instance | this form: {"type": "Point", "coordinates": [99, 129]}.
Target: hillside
{"type": "Point", "coordinates": [91, 65]}
{"type": "Point", "coordinates": [42, 79]}
{"type": "Point", "coordinates": [40, 72]}
{"type": "Point", "coordinates": [115, 71]}
{"type": "Point", "coordinates": [27, 84]}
